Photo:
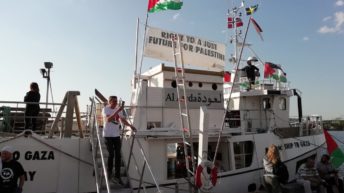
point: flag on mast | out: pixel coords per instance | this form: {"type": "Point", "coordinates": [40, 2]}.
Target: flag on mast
{"type": "Point", "coordinates": [250, 10]}
{"type": "Point", "coordinates": [275, 71]}
{"type": "Point", "coordinates": [238, 22]}
{"type": "Point", "coordinates": [257, 28]}
{"type": "Point", "coordinates": [336, 154]}
{"type": "Point", "coordinates": [160, 5]}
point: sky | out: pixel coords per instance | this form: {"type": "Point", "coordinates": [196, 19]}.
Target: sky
{"type": "Point", "coordinates": [92, 45]}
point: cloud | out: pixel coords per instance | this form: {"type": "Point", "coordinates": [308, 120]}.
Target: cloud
{"type": "Point", "coordinates": [175, 16]}
{"type": "Point", "coordinates": [306, 38]}
{"type": "Point", "coordinates": [337, 28]}
{"type": "Point", "coordinates": [327, 18]}
{"type": "Point", "coordinates": [339, 3]}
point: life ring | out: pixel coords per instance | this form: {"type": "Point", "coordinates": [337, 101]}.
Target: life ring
{"type": "Point", "coordinates": [203, 179]}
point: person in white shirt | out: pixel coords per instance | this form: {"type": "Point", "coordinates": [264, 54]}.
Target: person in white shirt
{"type": "Point", "coordinates": [113, 117]}
{"type": "Point", "coordinates": [308, 176]}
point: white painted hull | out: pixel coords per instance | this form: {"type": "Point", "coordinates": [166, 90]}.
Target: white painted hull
{"type": "Point", "coordinates": [54, 165]}
{"type": "Point", "coordinates": [235, 180]}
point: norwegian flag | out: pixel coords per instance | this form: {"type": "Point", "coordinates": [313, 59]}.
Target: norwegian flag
{"type": "Point", "coordinates": [238, 22]}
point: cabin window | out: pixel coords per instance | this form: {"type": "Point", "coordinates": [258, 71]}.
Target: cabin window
{"type": "Point", "coordinates": [283, 103]}
{"type": "Point", "coordinates": [151, 125]}
{"type": "Point", "coordinates": [243, 154]}
{"type": "Point", "coordinates": [174, 84]}
{"type": "Point", "coordinates": [266, 103]}
{"type": "Point", "coordinates": [190, 84]}
{"type": "Point", "coordinates": [214, 86]}
{"type": "Point", "coordinates": [200, 84]}
{"type": "Point", "coordinates": [232, 119]}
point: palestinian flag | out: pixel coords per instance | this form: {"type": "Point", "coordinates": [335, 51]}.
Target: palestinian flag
{"type": "Point", "coordinates": [159, 5]}
{"type": "Point", "coordinates": [336, 154]}
{"type": "Point", "coordinates": [275, 71]}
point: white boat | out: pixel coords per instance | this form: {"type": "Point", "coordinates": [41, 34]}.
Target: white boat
{"type": "Point", "coordinates": [214, 119]}
{"type": "Point", "coordinates": [174, 106]}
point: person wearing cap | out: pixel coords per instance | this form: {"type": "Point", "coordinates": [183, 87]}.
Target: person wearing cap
{"type": "Point", "coordinates": [251, 70]}
{"type": "Point", "coordinates": [11, 171]}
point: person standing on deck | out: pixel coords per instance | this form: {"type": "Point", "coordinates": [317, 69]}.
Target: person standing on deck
{"type": "Point", "coordinates": [113, 117]}
{"type": "Point", "coordinates": [32, 110]}
{"type": "Point", "coordinates": [10, 172]}
{"type": "Point", "coordinates": [251, 70]}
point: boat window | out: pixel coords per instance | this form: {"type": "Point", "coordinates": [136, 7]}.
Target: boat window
{"type": "Point", "coordinates": [190, 84]}
{"type": "Point", "coordinates": [174, 84]}
{"type": "Point", "coordinates": [151, 125]}
{"type": "Point", "coordinates": [232, 119]}
{"type": "Point", "coordinates": [214, 86]}
{"type": "Point", "coordinates": [243, 154]}
{"type": "Point", "coordinates": [266, 103]}
{"type": "Point", "coordinates": [283, 103]}
{"type": "Point", "coordinates": [200, 84]}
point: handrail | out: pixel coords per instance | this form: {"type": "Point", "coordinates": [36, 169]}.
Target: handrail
{"type": "Point", "coordinates": [93, 146]}
{"type": "Point", "coordinates": [94, 149]}
{"type": "Point", "coordinates": [146, 163]}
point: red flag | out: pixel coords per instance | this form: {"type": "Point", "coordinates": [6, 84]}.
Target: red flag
{"type": "Point", "coordinates": [331, 144]}
{"type": "Point", "coordinates": [257, 27]}
{"type": "Point", "coordinates": [151, 4]}
{"type": "Point", "coordinates": [227, 76]}
{"type": "Point", "coordinates": [268, 70]}
{"type": "Point", "coordinates": [336, 154]}
{"type": "Point", "coordinates": [238, 22]}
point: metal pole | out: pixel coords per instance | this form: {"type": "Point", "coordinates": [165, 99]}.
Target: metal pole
{"type": "Point", "coordinates": [48, 81]}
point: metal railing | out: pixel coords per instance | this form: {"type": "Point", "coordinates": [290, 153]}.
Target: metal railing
{"type": "Point", "coordinates": [12, 118]}
{"type": "Point", "coordinates": [96, 146]}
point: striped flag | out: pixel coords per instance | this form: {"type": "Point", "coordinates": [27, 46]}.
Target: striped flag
{"type": "Point", "coordinates": [159, 5]}
{"type": "Point", "coordinates": [250, 10]}
{"type": "Point", "coordinates": [336, 154]}
{"type": "Point", "coordinates": [274, 71]}
{"type": "Point", "coordinates": [257, 28]}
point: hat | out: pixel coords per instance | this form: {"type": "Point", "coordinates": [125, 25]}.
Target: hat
{"type": "Point", "coordinates": [252, 58]}
{"type": "Point", "coordinates": [8, 149]}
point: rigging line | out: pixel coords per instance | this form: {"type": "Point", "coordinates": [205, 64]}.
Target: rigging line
{"type": "Point", "coordinates": [230, 94]}
{"type": "Point", "coordinates": [254, 53]}
{"type": "Point", "coordinates": [56, 149]}
{"type": "Point", "coordinates": [52, 98]}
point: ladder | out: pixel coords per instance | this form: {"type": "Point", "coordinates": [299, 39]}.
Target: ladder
{"type": "Point", "coordinates": [183, 111]}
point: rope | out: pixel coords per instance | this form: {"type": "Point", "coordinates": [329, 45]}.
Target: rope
{"type": "Point", "coordinates": [58, 150]}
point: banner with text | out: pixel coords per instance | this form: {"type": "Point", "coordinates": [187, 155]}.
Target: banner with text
{"type": "Point", "coordinates": [196, 51]}
{"type": "Point", "coordinates": [195, 98]}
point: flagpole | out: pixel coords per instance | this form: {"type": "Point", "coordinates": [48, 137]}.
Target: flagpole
{"type": "Point", "coordinates": [138, 77]}
{"type": "Point", "coordinates": [136, 50]}
{"type": "Point", "coordinates": [144, 42]}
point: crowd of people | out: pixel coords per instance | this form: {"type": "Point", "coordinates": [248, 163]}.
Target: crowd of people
{"type": "Point", "coordinates": [320, 178]}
